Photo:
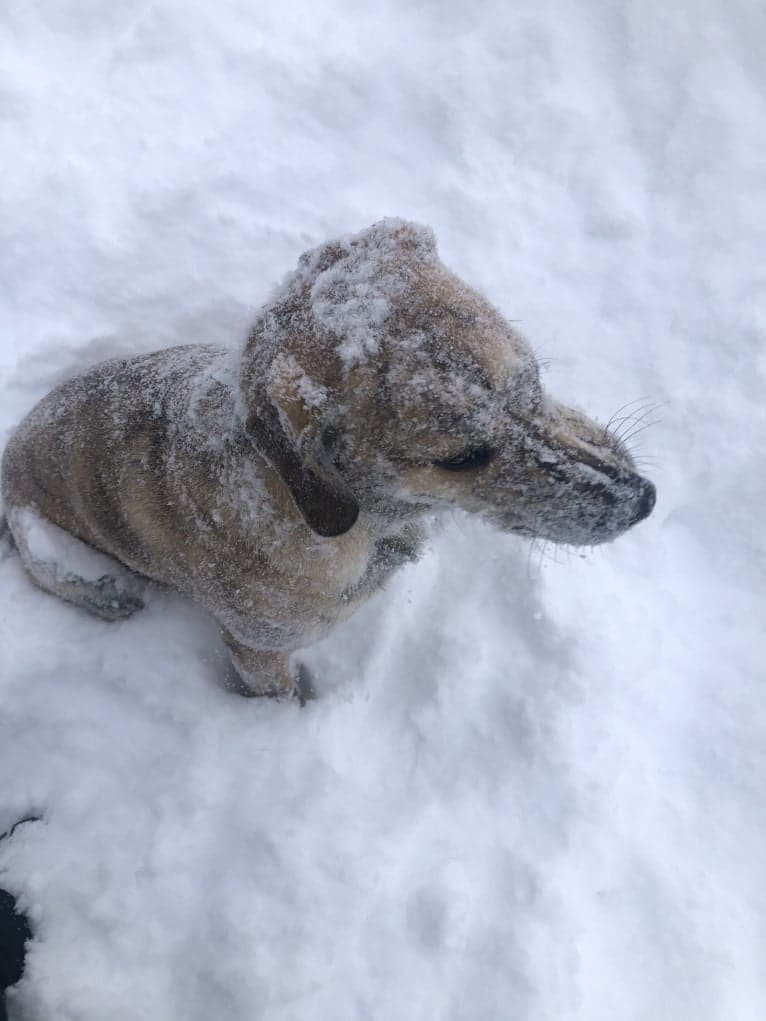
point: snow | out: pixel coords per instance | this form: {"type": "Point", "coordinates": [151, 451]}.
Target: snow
{"type": "Point", "coordinates": [532, 785]}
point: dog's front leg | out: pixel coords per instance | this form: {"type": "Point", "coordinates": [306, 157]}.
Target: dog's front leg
{"type": "Point", "coordinates": [266, 672]}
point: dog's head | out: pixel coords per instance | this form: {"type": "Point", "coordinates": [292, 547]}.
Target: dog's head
{"type": "Point", "coordinates": [376, 380]}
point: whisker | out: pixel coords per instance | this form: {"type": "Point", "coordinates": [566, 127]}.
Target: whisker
{"type": "Point", "coordinates": [620, 410]}
{"type": "Point", "coordinates": [640, 429]}
{"type": "Point", "coordinates": [634, 419]}
{"type": "Point", "coordinates": [625, 423]}
{"type": "Point", "coordinates": [547, 554]}
{"type": "Point", "coordinates": [542, 545]}
{"type": "Point", "coordinates": [638, 450]}
{"type": "Point", "coordinates": [534, 542]}
{"type": "Point", "coordinates": [530, 550]}
{"type": "Point", "coordinates": [620, 422]}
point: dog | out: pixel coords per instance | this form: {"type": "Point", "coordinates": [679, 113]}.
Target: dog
{"type": "Point", "coordinates": [280, 484]}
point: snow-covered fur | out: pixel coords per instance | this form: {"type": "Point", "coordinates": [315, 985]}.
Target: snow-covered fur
{"type": "Point", "coordinates": [280, 485]}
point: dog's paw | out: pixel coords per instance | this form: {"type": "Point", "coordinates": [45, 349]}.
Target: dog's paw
{"type": "Point", "coordinates": [107, 598]}
{"type": "Point", "coordinates": [300, 688]}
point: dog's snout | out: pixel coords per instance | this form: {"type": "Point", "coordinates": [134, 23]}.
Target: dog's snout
{"type": "Point", "coordinates": [647, 497]}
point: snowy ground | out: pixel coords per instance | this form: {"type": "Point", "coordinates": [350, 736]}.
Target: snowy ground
{"type": "Point", "coordinates": [531, 789]}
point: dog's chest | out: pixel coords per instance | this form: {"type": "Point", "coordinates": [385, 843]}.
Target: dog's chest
{"type": "Point", "coordinates": [297, 586]}
{"type": "Point", "coordinates": [327, 570]}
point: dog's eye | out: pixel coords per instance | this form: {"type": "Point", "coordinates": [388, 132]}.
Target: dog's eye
{"type": "Point", "coordinates": [476, 457]}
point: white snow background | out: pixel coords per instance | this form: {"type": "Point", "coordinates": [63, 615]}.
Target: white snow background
{"type": "Point", "coordinates": [533, 787]}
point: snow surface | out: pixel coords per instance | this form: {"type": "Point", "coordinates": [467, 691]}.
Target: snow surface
{"type": "Point", "coordinates": [533, 785]}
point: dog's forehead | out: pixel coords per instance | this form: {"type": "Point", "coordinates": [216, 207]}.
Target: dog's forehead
{"type": "Point", "coordinates": [487, 347]}
{"type": "Point", "coordinates": [446, 326]}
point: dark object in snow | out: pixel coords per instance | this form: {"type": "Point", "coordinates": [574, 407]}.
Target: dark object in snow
{"type": "Point", "coordinates": [14, 934]}
{"type": "Point", "coordinates": [279, 484]}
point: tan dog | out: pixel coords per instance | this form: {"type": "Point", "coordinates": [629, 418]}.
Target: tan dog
{"type": "Point", "coordinates": [280, 485]}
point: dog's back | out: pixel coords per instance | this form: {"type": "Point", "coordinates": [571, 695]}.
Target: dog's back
{"type": "Point", "coordinates": [77, 450]}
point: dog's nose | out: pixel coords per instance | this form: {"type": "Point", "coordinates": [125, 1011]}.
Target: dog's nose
{"type": "Point", "coordinates": [647, 497]}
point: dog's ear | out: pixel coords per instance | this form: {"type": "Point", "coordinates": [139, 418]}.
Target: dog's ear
{"type": "Point", "coordinates": [288, 426]}
{"type": "Point", "coordinates": [319, 322]}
